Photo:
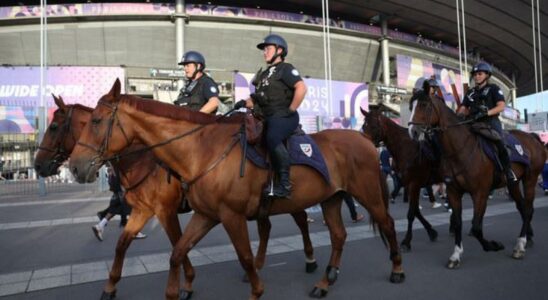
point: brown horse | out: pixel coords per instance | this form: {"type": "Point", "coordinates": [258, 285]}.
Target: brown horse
{"type": "Point", "coordinates": [218, 194]}
{"type": "Point", "coordinates": [143, 177]}
{"type": "Point", "coordinates": [461, 149]}
{"type": "Point", "coordinates": [416, 171]}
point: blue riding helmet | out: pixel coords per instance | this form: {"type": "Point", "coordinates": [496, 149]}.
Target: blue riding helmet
{"type": "Point", "coordinates": [276, 40]}
{"type": "Point", "coordinates": [193, 57]}
{"type": "Point", "coordinates": [482, 67]}
{"type": "Point", "coordinates": [433, 82]}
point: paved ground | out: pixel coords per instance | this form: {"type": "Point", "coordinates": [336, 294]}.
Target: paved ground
{"type": "Point", "coordinates": [47, 251]}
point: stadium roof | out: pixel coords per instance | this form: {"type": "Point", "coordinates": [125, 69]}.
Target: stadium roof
{"type": "Point", "coordinates": [499, 30]}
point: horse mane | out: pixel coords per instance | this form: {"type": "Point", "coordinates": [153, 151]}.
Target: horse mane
{"type": "Point", "coordinates": [82, 107]}
{"type": "Point", "coordinates": [173, 112]}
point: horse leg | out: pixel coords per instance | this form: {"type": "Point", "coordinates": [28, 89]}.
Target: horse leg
{"type": "Point", "coordinates": [198, 226]}
{"type": "Point", "coordinates": [455, 200]}
{"type": "Point", "coordinates": [525, 208]}
{"type": "Point", "coordinates": [332, 215]}
{"type": "Point", "coordinates": [372, 200]}
{"type": "Point", "coordinates": [263, 227]}
{"type": "Point", "coordinates": [480, 205]}
{"type": "Point", "coordinates": [413, 194]}
{"type": "Point", "coordinates": [137, 221]}
{"type": "Point", "coordinates": [301, 221]}
{"type": "Point", "coordinates": [236, 227]}
{"type": "Point", "coordinates": [167, 216]}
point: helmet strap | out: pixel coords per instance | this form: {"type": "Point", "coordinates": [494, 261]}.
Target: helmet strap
{"type": "Point", "coordinates": [276, 55]}
{"type": "Point", "coordinates": [196, 70]}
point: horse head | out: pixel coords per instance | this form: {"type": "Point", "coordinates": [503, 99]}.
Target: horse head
{"type": "Point", "coordinates": [372, 126]}
{"type": "Point", "coordinates": [58, 141]}
{"type": "Point", "coordinates": [425, 112]}
{"type": "Point", "coordinates": [102, 137]}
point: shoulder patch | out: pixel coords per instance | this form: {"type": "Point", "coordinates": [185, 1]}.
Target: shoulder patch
{"type": "Point", "coordinates": [295, 72]}
{"type": "Point", "coordinates": [501, 93]}
{"type": "Point", "coordinates": [213, 89]}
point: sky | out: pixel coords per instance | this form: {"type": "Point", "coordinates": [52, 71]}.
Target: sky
{"type": "Point", "coordinates": [533, 103]}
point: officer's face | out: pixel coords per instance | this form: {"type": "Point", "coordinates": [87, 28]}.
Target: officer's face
{"type": "Point", "coordinates": [269, 51]}
{"type": "Point", "coordinates": [479, 77]}
{"type": "Point", "coordinates": [189, 70]}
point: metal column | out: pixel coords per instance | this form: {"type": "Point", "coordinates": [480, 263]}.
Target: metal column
{"type": "Point", "coordinates": [179, 33]}
{"type": "Point", "coordinates": [385, 55]}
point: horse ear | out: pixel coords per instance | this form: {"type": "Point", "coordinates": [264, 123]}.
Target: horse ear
{"type": "Point", "coordinates": [59, 102]}
{"type": "Point", "coordinates": [116, 89]}
{"type": "Point", "coordinates": [365, 113]}
{"type": "Point", "coordinates": [426, 86]}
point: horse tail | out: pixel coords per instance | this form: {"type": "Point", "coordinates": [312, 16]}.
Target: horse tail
{"type": "Point", "coordinates": [385, 193]}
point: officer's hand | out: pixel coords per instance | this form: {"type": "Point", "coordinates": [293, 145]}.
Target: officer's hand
{"type": "Point", "coordinates": [480, 115]}
{"type": "Point", "coordinates": [461, 116]}
{"type": "Point", "coordinates": [240, 104]}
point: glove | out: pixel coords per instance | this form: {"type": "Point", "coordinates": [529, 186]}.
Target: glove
{"type": "Point", "coordinates": [461, 116]}
{"type": "Point", "coordinates": [240, 104]}
{"type": "Point", "coordinates": [481, 114]}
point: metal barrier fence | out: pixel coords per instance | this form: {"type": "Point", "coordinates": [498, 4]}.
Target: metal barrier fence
{"type": "Point", "coordinates": [17, 175]}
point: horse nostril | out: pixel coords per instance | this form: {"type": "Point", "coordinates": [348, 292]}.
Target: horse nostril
{"type": "Point", "coordinates": [37, 167]}
{"type": "Point", "coordinates": [74, 171]}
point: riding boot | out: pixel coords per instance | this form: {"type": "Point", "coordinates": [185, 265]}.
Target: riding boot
{"type": "Point", "coordinates": [283, 187]}
{"type": "Point", "coordinates": [505, 161]}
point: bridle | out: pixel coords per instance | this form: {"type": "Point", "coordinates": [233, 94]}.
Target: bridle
{"type": "Point", "coordinates": [60, 154]}
{"type": "Point", "coordinates": [99, 160]}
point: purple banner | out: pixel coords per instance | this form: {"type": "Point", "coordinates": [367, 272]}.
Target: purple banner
{"type": "Point", "coordinates": [412, 71]}
{"type": "Point", "coordinates": [20, 91]}
{"type": "Point", "coordinates": [348, 97]}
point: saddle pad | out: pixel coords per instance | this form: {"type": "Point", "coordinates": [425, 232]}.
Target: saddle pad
{"type": "Point", "coordinates": [517, 154]}
{"type": "Point", "coordinates": [302, 149]}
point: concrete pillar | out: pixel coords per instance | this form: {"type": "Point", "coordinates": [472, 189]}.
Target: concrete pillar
{"type": "Point", "coordinates": [513, 91]}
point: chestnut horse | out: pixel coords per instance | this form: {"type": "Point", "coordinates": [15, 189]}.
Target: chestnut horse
{"type": "Point", "coordinates": [416, 171]}
{"type": "Point", "coordinates": [201, 148]}
{"type": "Point", "coordinates": [461, 149]}
{"type": "Point", "coordinates": [148, 191]}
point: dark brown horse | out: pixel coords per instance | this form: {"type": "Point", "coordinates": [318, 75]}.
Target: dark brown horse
{"type": "Point", "coordinates": [416, 170]}
{"type": "Point", "coordinates": [205, 151]}
{"type": "Point", "coordinates": [148, 192]}
{"type": "Point", "coordinates": [461, 150]}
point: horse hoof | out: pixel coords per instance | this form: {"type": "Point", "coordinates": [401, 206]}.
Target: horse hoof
{"type": "Point", "coordinates": [185, 295]}
{"type": "Point", "coordinates": [245, 278]}
{"type": "Point", "coordinates": [496, 246]}
{"type": "Point", "coordinates": [317, 293]}
{"type": "Point", "coordinates": [397, 277]}
{"type": "Point", "coordinates": [405, 247]}
{"type": "Point", "coordinates": [518, 254]}
{"type": "Point", "coordinates": [453, 264]}
{"type": "Point", "coordinates": [332, 273]}
{"type": "Point", "coordinates": [311, 267]}
{"type": "Point", "coordinates": [433, 235]}
{"type": "Point", "coordinates": [108, 296]}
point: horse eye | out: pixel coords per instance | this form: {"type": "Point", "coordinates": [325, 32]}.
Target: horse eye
{"type": "Point", "coordinates": [96, 121]}
{"type": "Point", "coordinates": [53, 126]}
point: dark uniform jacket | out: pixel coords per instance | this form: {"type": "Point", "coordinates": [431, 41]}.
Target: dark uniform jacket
{"type": "Point", "coordinates": [274, 89]}
{"type": "Point", "coordinates": [196, 93]}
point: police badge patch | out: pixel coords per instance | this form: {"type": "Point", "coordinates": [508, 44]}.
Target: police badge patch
{"type": "Point", "coordinates": [213, 89]}
{"type": "Point", "coordinates": [519, 149]}
{"type": "Point", "coordinates": [295, 72]}
{"type": "Point", "coordinates": [307, 149]}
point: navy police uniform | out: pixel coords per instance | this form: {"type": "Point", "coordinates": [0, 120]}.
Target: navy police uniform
{"type": "Point", "coordinates": [196, 94]}
{"type": "Point", "coordinates": [478, 101]}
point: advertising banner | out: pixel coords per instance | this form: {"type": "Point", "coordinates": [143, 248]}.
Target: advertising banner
{"type": "Point", "coordinates": [20, 91]}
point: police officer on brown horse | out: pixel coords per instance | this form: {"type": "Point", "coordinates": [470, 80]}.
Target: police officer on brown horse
{"type": "Point", "coordinates": [279, 90]}
{"type": "Point", "coordinates": [201, 92]}
{"type": "Point", "coordinates": [484, 102]}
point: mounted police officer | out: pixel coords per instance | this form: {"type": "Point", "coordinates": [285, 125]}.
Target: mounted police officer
{"type": "Point", "coordinates": [279, 90]}
{"type": "Point", "coordinates": [201, 92]}
{"type": "Point", "coordinates": [484, 102]}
